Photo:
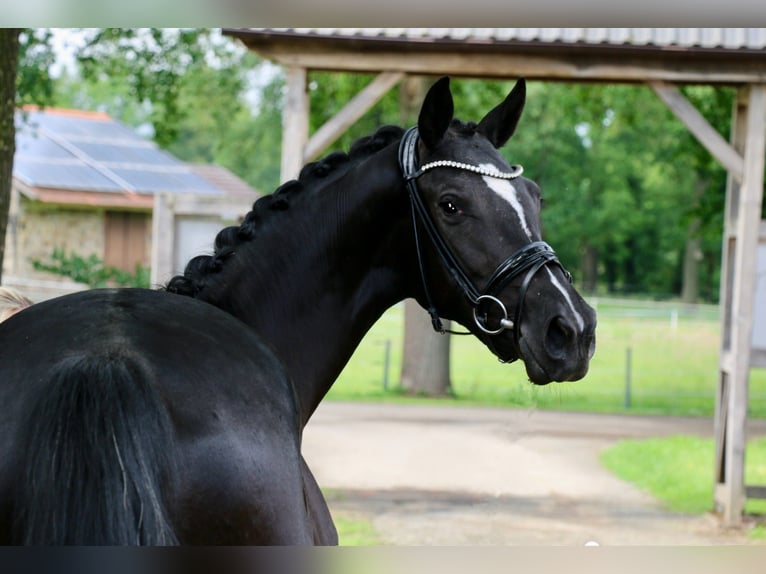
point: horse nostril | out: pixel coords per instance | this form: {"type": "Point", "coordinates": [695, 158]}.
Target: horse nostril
{"type": "Point", "coordinates": [592, 346]}
{"type": "Point", "coordinates": [558, 337]}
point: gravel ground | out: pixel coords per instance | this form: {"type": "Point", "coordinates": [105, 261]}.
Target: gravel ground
{"type": "Point", "coordinates": [455, 476]}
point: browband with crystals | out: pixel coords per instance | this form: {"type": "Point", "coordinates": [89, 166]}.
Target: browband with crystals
{"type": "Point", "coordinates": [517, 169]}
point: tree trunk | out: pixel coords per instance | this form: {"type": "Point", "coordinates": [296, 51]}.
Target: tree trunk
{"type": "Point", "coordinates": [425, 360]}
{"type": "Point", "coordinates": [590, 269]}
{"type": "Point", "coordinates": [9, 55]}
{"type": "Point", "coordinates": [693, 252]}
{"type": "Point", "coordinates": [692, 258]}
{"type": "Point", "coordinates": [425, 357]}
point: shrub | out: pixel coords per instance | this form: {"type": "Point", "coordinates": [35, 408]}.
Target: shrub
{"type": "Point", "coordinates": [92, 271]}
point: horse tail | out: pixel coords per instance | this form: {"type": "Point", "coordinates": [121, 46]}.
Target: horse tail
{"type": "Point", "coordinates": [95, 457]}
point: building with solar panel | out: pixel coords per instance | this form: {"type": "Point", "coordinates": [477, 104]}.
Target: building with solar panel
{"type": "Point", "coordinates": [87, 184]}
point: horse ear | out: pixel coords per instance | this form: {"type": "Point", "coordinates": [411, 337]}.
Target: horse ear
{"type": "Point", "coordinates": [499, 124]}
{"type": "Point", "coordinates": [436, 113]}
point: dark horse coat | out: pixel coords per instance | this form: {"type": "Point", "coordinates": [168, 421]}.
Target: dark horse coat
{"type": "Point", "coordinates": [180, 427]}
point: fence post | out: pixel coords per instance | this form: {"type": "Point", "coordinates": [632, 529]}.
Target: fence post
{"type": "Point", "coordinates": [628, 375]}
{"type": "Point", "coordinates": [386, 361]}
{"type": "Point", "coordinates": [674, 319]}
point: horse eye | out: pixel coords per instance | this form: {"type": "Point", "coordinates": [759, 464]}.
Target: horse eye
{"type": "Point", "coordinates": [449, 207]}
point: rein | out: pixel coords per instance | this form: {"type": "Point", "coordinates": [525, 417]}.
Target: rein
{"type": "Point", "coordinates": [529, 259]}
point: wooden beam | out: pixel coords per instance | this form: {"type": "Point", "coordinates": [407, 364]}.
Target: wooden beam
{"type": "Point", "coordinates": [758, 352]}
{"type": "Point", "coordinates": [168, 207]}
{"type": "Point", "coordinates": [562, 66]}
{"type": "Point", "coordinates": [163, 239]}
{"type": "Point", "coordinates": [756, 492]}
{"type": "Point", "coordinates": [685, 111]}
{"type": "Point", "coordinates": [295, 123]}
{"type": "Point", "coordinates": [351, 112]}
{"type": "Point", "coordinates": [719, 432]}
{"type": "Point", "coordinates": [727, 361]}
{"type": "Point", "coordinates": [738, 278]}
{"type": "Point", "coordinates": [229, 210]}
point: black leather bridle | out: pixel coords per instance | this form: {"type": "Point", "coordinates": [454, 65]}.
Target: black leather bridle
{"type": "Point", "coordinates": [529, 259]}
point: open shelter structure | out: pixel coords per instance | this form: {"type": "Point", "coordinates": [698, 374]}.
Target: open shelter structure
{"type": "Point", "coordinates": [662, 58]}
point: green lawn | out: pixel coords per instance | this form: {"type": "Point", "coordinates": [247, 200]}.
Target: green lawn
{"type": "Point", "coordinates": [355, 531]}
{"type": "Point", "coordinates": [678, 471]}
{"type": "Point", "coordinates": [674, 367]}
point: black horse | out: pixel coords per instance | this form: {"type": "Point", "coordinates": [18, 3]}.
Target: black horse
{"type": "Point", "coordinates": [175, 416]}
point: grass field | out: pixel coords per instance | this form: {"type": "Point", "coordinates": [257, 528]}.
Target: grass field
{"type": "Point", "coordinates": [677, 471]}
{"type": "Point", "coordinates": [673, 357]}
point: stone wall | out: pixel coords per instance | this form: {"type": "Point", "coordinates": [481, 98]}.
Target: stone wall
{"type": "Point", "coordinates": [35, 230]}
{"type": "Point", "coordinates": [41, 229]}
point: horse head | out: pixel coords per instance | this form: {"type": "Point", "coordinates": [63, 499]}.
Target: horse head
{"type": "Point", "coordinates": [486, 265]}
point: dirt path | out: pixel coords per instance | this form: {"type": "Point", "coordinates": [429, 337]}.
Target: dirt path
{"type": "Point", "coordinates": [473, 476]}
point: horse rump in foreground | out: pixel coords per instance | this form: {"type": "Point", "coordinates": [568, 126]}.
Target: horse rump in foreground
{"type": "Point", "coordinates": [160, 417]}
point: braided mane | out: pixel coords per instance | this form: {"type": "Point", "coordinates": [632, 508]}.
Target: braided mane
{"type": "Point", "coordinates": [313, 177]}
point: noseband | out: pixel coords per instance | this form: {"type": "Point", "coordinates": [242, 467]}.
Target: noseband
{"type": "Point", "coordinates": [529, 259]}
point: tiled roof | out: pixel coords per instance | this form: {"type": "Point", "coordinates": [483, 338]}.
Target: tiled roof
{"type": "Point", "coordinates": [224, 179]}
{"type": "Point", "coordinates": [90, 152]}
{"type": "Point", "coordinates": [704, 38]}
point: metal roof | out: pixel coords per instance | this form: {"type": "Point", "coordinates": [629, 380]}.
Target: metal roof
{"type": "Point", "coordinates": [703, 38]}
{"type": "Point", "coordinates": [89, 151]}
{"type": "Point", "coordinates": [725, 56]}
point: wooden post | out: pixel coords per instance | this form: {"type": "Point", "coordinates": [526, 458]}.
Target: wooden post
{"type": "Point", "coordinates": [351, 112]}
{"type": "Point", "coordinates": [743, 214]}
{"type": "Point", "coordinates": [699, 127]}
{"type": "Point", "coordinates": [295, 123]}
{"type": "Point", "coordinates": [163, 239]}
{"type": "Point", "coordinates": [166, 243]}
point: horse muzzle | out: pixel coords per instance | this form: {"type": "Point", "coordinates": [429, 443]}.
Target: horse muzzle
{"type": "Point", "coordinates": [562, 350]}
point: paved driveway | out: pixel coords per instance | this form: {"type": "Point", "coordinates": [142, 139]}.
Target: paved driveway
{"type": "Point", "coordinates": [473, 476]}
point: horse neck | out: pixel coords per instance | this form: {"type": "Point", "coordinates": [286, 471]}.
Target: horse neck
{"type": "Point", "coordinates": [315, 283]}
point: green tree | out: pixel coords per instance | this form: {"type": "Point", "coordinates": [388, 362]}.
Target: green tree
{"type": "Point", "coordinates": [616, 207]}
{"type": "Point", "coordinates": [9, 53]}
{"type": "Point", "coordinates": [705, 210]}
{"type": "Point", "coordinates": [253, 144]}
{"type": "Point", "coordinates": [187, 89]}
{"type": "Point", "coordinates": [153, 63]}
{"type": "Point", "coordinates": [25, 57]}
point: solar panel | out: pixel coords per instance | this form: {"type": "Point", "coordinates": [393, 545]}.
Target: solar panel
{"type": "Point", "coordinates": [75, 126]}
{"type": "Point", "coordinates": [106, 152]}
{"type": "Point", "coordinates": [166, 182]}
{"type": "Point", "coordinates": [76, 151]}
{"type": "Point", "coordinates": [39, 147]}
{"type": "Point", "coordinates": [62, 176]}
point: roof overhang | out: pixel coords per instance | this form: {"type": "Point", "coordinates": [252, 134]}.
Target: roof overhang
{"type": "Point", "coordinates": [493, 58]}
{"type": "Point", "coordinates": [90, 199]}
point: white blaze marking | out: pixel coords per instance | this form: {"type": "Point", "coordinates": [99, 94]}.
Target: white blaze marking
{"type": "Point", "coordinates": [560, 287]}
{"type": "Point", "coordinates": [504, 188]}
{"type": "Point", "coordinates": [506, 191]}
